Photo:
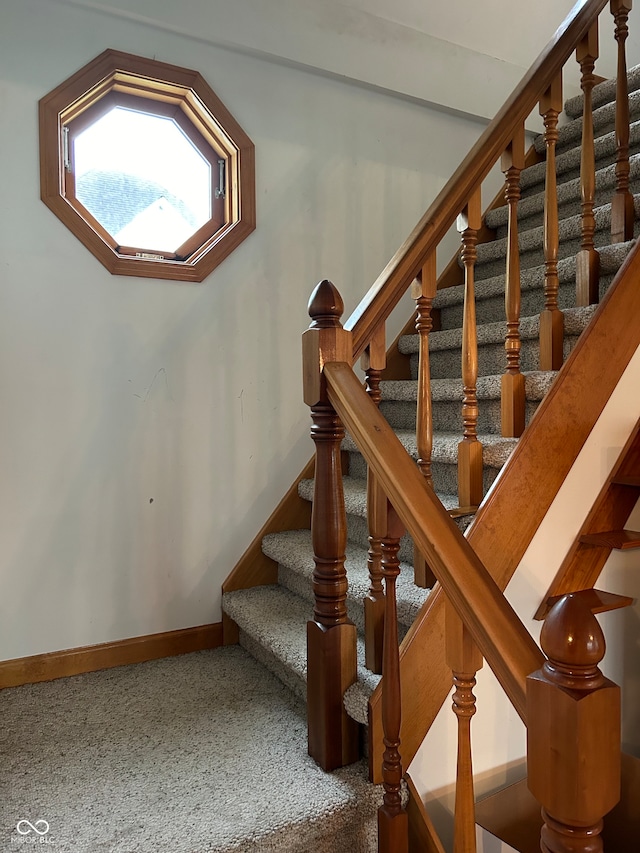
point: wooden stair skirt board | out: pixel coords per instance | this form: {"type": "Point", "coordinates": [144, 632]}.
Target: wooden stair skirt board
{"type": "Point", "coordinates": [47, 667]}
{"type": "Point", "coordinates": [513, 815]}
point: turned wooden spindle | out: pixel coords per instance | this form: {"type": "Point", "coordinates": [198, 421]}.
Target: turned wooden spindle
{"type": "Point", "coordinates": [465, 660]}
{"type": "Point", "coordinates": [622, 212]}
{"type": "Point", "coordinates": [551, 318]}
{"type": "Point", "coordinates": [393, 825]}
{"type": "Point", "coordinates": [373, 363]}
{"type": "Point", "coordinates": [512, 392]}
{"type": "Point", "coordinates": [424, 291]}
{"type": "Point", "coordinates": [588, 259]}
{"type": "Point", "coordinates": [470, 449]}
{"type": "Point", "coordinates": [573, 732]}
{"type": "Point", "coordinates": [331, 637]}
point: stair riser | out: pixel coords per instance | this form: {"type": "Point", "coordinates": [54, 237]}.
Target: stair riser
{"type": "Point", "coordinates": [447, 415]}
{"type": "Point", "coordinates": [445, 364]}
{"type": "Point", "coordinates": [270, 661]}
{"type": "Point", "coordinates": [492, 309]}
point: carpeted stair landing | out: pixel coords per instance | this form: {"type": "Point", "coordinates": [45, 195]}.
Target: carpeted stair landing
{"type": "Point", "coordinates": [202, 752]}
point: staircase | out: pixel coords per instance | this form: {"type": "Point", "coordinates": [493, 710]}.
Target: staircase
{"type": "Point", "coordinates": [270, 619]}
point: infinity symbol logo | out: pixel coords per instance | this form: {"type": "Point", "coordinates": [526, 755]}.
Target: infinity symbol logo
{"type": "Point", "coordinates": [40, 827]}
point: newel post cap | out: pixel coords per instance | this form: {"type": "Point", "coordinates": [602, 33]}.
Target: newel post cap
{"type": "Point", "coordinates": [573, 720]}
{"type": "Point", "coordinates": [324, 341]}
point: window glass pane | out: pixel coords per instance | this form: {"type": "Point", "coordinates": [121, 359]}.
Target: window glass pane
{"type": "Point", "coordinates": [143, 179]}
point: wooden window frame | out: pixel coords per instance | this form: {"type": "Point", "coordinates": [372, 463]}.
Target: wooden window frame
{"type": "Point", "coordinates": [120, 78]}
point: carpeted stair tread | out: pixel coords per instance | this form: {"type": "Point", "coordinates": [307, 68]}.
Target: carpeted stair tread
{"type": "Point", "coordinates": [355, 494]}
{"type": "Point", "coordinates": [293, 549]}
{"type": "Point", "coordinates": [569, 230]}
{"type": "Point", "coordinates": [537, 383]}
{"type": "Point", "coordinates": [201, 752]}
{"type": "Point", "coordinates": [575, 322]}
{"type": "Point", "coordinates": [496, 449]}
{"type": "Point", "coordinates": [603, 92]}
{"type": "Point", "coordinates": [275, 619]}
{"type": "Point", "coordinates": [356, 697]}
{"type": "Point", "coordinates": [604, 116]}
{"type": "Point", "coordinates": [568, 161]}
{"type": "Point", "coordinates": [569, 193]}
{"type": "Point", "coordinates": [611, 258]}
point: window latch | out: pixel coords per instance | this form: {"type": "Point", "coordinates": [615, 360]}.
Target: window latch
{"type": "Point", "coordinates": [65, 148]}
{"type": "Point", "coordinates": [220, 191]}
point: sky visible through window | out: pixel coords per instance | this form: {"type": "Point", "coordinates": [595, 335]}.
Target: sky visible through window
{"type": "Point", "coordinates": [143, 179]}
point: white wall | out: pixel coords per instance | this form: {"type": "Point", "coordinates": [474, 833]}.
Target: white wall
{"type": "Point", "coordinates": [460, 56]}
{"type": "Point", "coordinates": [118, 390]}
{"type": "Point", "coordinates": [393, 46]}
{"type": "Point", "coordinates": [499, 738]}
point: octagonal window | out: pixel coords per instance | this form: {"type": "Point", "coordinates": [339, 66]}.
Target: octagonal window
{"type": "Point", "coordinates": [143, 179]}
{"type": "Point", "coordinates": [153, 175]}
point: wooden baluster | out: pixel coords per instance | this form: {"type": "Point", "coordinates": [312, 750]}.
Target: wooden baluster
{"type": "Point", "coordinates": [424, 292]}
{"type": "Point", "coordinates": [393, 824]}
{"type": "Point", "coordinates": [587, 260]}
{"type": "Point", "coordinates": [470, 449]}
{"type": "Point", "coordinates": [331, 637]}
{"type": "Point", "coordinates": [512, 395]}
{"type": "Point", "coordinates": [622, 212]}
{"type": "Point", "coordinates": [373, 362]}
{"type": "Point", "coordinates": [573, 732]}
{"type": "Point", "coordinates": [465, 660]}
{"type": "Point", "coordinates": [551, 319]}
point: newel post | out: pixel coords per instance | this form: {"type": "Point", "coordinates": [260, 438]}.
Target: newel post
{"type": "Point", "coordinates": [573, 732]}
{"type": "Point", "coordinates": [331, 637]}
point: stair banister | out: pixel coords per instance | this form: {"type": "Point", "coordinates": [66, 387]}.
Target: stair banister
{"type": "Point", "coordinates": [497, 631]}
{"type": "Point", "coordinates": [365, 326]}
{"type": "Point", "coordinates": [512, 386]}
{"type": "Point", "coordinates": [571, 711]}
{"type": "Point", "coordinates": [423, 290]}
{"type": "Point", "coordinates": [587, 259]}
{"type": "Point", "coordinates": [551, 318]}
{"type": "Point", "coordinates": [394, 280]}
{"type": "Point", "coordinates": [622, 205]}
{"type": "Point", "coordinates": [373, 363]}
{"type": "Point", "coordinates": [470, 448]}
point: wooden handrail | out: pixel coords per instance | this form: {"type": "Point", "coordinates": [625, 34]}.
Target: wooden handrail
{"type": "Point", "coordinates": [394, 280]}
{"type": "Point", "coordinates": [502, 638]}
